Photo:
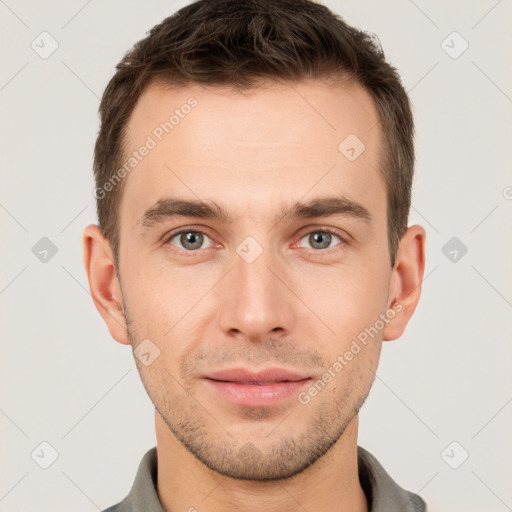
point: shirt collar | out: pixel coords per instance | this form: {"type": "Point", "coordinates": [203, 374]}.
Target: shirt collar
{"type": "Point", "coordinates": [382, 492]}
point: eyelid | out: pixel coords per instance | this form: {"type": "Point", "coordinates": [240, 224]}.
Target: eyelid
{"type": "Point", "coordinates": [166, 239]}
{"type": "Point", "coordinates": [324, 229]}
{"type": "Point", "coordinates": [301, 234]}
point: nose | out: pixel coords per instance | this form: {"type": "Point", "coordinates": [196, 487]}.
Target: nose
{"type": "Point", "coordinates": [256, 301]}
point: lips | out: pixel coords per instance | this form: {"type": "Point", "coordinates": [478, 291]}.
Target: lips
{"type": "Point", "coordinates": [267, 376]}
{"type": "Point", "coordinates": [263, 388]}
{"type": "Point", "coordinates": [261, 383]}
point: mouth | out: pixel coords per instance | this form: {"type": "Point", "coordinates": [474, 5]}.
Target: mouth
{"type": "Point", "coordinates": [257, 383]}
{"type": "Point", "coordinates": [263, 388]}
{"type": "Point", "coordinates": [263, 376]}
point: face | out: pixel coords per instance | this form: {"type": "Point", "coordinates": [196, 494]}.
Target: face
{"type": "Point", "coordinates": [266, 285]}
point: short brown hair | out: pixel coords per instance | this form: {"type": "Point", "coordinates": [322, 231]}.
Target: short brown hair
{"type": "Point", "coordinates": [239, 44]}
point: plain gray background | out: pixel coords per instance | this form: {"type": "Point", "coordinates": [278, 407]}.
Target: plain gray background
{"type": "Point", "coordinates": [65, 382]}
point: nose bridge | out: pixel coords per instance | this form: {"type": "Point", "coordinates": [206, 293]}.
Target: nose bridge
{"type": "Point", "coordinates": [255, 302]}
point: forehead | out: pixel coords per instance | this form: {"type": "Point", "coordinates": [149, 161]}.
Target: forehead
{"type": "Point", "coordinates": [252, 150]}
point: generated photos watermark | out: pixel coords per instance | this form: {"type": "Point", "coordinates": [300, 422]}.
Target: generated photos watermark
{"type": "Point", "coordinates": [152, 140]}
{"type": "Point", "coordinates": [343, 360]}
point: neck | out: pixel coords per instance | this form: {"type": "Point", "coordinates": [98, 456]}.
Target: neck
{"type": "Point", "coordinates": [331, 483]}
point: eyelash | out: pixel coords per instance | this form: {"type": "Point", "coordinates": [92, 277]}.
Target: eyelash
{"type": "Point", "coordinates": [331, 231]}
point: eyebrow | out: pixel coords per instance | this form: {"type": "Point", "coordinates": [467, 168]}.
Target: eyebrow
{"type": "Point", "coordinates": [169, 208]}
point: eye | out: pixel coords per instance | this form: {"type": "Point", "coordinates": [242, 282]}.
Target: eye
{"type": "Point", "coordinates": [321, 239]}
{"type": "Point", "coordinates": [189, 240]}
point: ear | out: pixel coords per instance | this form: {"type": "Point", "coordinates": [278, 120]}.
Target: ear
{"type": "Point", "coordinates": [406, 279]}
{"type": "Point", "coordinates": [103, 282]}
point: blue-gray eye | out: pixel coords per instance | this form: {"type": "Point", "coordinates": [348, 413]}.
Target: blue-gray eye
{"type": "Point", "coordinates": [190, 240]}
{"type": "Point", "coordinates": [320, 239]}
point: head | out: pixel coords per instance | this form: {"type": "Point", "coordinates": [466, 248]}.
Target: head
{"type": "Point", "coordinates": [253, 181]}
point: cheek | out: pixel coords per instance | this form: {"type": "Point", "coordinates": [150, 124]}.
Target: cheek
{"type": "Point", "coordinates": [171, 307]}
{"type": "Point", "coordinates": [346, 298]}
{"type": "Point", "coordinates": [160, 295]}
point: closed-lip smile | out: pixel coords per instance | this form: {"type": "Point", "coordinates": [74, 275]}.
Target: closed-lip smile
{"type": "Point", "coordinates": [256, 388]}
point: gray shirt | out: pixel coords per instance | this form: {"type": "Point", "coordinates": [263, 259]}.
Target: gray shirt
{"type": "Point", "coordinates": [382, 492]}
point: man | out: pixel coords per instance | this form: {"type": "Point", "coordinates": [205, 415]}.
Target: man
{"type": "Point", "coordinates": [253, 180]}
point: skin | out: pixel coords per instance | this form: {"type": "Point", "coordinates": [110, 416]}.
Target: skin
{"type": "Point", "coordinates": [296, 306]}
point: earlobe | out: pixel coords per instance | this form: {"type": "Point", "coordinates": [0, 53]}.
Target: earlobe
{"type": "Point", "coordinates": [103, 282]}
{"type": "Point", "coordinates": [406, 279]}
